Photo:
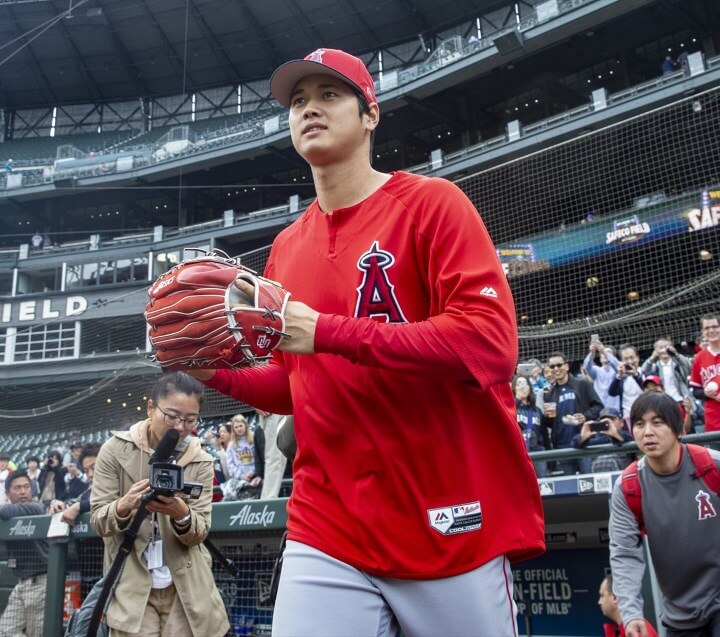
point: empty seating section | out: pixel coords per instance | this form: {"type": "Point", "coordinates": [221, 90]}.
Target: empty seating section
{"type": "Point", "coordinates": [34, 151]}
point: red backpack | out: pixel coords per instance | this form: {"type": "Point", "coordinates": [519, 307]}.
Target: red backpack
{"type": "Point", "coordinates": [705, 468]}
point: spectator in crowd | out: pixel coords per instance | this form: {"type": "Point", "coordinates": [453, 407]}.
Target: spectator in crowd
{"type": "Point", "coordinates": [33, 472]}
{"type": "Point", "coordinates": [609, 607]}
{"type": "Point", "coordinates": [9, 167]}
{"type": "Point", "coordinates": [28, 560]}
{"type": "Point", "coordinates": [36, 241]}
{"type": "Point", "coordinates": [609, 428]}
{"type": "Point", "coordinates": [668, 65]}
{"type": "Point", "coordinates": [569, 403]}
{"type": "Point", "coordinates": [47, 241]}
{"type": "Point", "coordinates": [76, 482]}
{"type": "Point", "coordinates": [601, 366]}
{"type": "Point", "coordinates": [627, 384]}
{"type": "Point", "coordinates": [549, 376]}
{"type": "Point", "coordinates": [538, 382]}
{"type": "Point", "coordinates": [241, 461]}
{"type": "Point", "coordinates": [705, 374]}
{"type": "Point", "coordinates": [682, 62]}
{"type": "Point", "coordinates": [672, 367]}
{"type": "Point", "coordinates": [529, 419]}
{"type": "Point", "coordinates": [166, 586]}
{"type": "Point", "coordinates": [52, 479]}
{"type": "Point", "coordinates": [681, 526]}
{"type": "Point", "coordinates": [653, 383]}
{"type": "Point", "coordinates": [207, 444]}
{"type": "Point", "coordinates": [72, 455]}
{"type": "Point", "coordinates": [275, 461]}
{"type": "Point", "coordinates": [80, 503]}
{"type": "Point", "coordinates": [4, 473]}
{"type": "Point", "coordinates": [222, 442]}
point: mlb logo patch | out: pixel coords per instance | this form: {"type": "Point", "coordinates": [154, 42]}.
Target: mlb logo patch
{"type": "Point", "coordinates": [459, 518]}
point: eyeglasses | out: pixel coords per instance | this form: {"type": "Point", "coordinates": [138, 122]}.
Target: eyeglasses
{"type": "Point", "coordinates": [172, 419]}
{"type": "Point", "coordinates": [556, 365]}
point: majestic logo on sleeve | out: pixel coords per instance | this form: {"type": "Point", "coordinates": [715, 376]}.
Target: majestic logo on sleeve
{"type": "Point", "coordinates": [706, 510]}
{"type": "Point", "coordinates": [376, 295]}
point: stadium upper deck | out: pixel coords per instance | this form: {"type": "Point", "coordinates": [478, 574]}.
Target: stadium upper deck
{"type": "Point", "coordinates": [454, 89]}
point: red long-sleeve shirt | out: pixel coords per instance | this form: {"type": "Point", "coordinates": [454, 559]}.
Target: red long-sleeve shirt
{"type": "Point", "coordinates": [410, 463]}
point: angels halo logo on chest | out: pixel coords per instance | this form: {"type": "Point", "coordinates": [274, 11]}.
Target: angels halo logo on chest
{"type": "Point", "coordinates": [376, 296]}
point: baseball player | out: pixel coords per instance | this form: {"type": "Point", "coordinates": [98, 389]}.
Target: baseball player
{"type": "Point", "coordinates": [413, 492]}
{"type": "Point", "coordinates": [705, 372]}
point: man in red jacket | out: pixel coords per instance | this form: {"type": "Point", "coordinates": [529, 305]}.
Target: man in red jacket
{"type": "Point", "coordinates": [413, 492]}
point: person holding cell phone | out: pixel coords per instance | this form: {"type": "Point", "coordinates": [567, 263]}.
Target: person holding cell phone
{"type": "Point", "coordinates": [601, 364]}
{"type": "Point", "coordinates": [627, 385]}
{"type": "Point", "coordinates": [609, 428]}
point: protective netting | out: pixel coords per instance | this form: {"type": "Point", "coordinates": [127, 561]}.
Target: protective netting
{"type": "Point", "coordinates": [613, 232]}
{"type": "Point", "coordinates": [246, 597]}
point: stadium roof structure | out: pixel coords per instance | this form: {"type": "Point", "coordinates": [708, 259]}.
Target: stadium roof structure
{"type": "Point", "coordinates": [79, 51]}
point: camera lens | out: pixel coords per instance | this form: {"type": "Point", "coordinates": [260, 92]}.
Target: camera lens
{"type": "Point", "coordinates": [164, 482]}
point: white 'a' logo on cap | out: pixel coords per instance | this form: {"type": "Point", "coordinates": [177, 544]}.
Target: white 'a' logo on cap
{"type": "Point", "coordinates": [316, 56]}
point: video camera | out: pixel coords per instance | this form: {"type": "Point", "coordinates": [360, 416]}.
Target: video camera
{"type": "Point", "coordinates": [167, 477]}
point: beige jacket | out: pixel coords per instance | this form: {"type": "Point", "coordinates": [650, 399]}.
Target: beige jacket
{"type": "Point", "coordinates": [123, 461]}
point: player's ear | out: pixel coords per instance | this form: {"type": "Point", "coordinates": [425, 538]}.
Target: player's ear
{"type": "Point", "coordinates": [372, 117]}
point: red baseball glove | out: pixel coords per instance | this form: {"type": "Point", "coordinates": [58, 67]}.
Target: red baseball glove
{"type": "Point", "coordinates": [200, 319]}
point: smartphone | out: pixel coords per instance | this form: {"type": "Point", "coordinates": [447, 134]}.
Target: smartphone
{"type": "Point", "coordinates": [594, 338]}
{"type": "Point", "coordinates": [598, 426]}
{"type": "Point", "coordinates": [525, 369]}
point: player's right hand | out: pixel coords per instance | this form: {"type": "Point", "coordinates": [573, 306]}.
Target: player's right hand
{"type": "Point", "coordinates": [636, 628]}
{"type": "Point", "coordinates": [132, 499]}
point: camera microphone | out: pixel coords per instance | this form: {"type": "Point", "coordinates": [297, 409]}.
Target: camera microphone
{"type": "Point", "coordinates": [166, 447]}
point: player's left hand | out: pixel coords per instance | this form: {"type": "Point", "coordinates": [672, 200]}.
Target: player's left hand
{"type": "Point", "coordinates": [174, 507]}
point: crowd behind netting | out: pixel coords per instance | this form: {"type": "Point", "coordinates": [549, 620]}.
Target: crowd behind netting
{"type": "Point", "coordinates": [561, 404]}
{"type": "Point", "coordinates": [245, 466]}
{"type": "Point", "coordinates": [557, 409]}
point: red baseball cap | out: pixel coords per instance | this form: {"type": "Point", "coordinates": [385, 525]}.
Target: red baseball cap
{"type": "Point", "coordinates": [332, 62]}
{"type": "Point", "coordinates": [652, 378]}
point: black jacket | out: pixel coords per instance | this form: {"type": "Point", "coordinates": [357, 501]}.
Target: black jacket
{"type": "Point", "coordinates": [616, 388]}
{"type": "Point", "coordinates": [587, 403]}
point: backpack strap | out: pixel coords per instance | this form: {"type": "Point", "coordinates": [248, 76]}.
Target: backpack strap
{"type": "Point", "coordinates": [705, 467]}
{"type": "Point", "coordinates": [633, 493]}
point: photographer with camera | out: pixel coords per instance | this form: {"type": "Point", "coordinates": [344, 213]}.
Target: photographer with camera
{"type": "Point", "coordinates": [627, 385]}
{"type": "Point", "coordinates": [52, 479]}
{"type": "Point", "coordinates": [609, 428]}
{"type": "Point", "coordinates": [166, 586]}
